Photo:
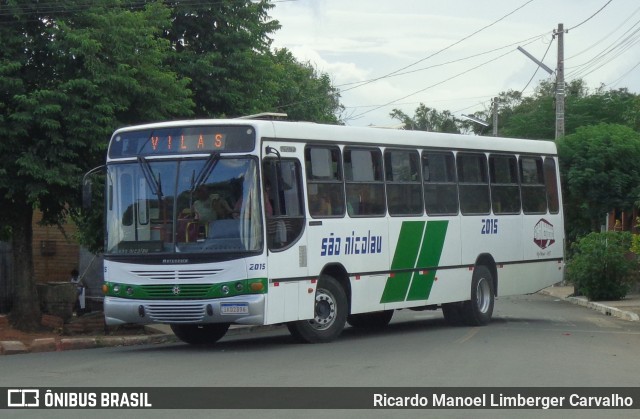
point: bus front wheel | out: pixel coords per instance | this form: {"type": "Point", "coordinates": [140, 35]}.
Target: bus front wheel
{"type": "Point", "coordinates": [330, 314]}
{"type": "Point", "coordinates": [478, 310]}
{"type": "Point", "coordinates": [200, 334]}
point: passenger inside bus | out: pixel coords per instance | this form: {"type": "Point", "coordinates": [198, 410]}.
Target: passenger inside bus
{"type": "Point", "coordinates": [210, 207]}
{"type": "Point", "coordinates": [320, 204]}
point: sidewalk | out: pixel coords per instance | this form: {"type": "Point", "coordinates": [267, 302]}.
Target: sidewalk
{"type": "Point", "coordinates": [153, 334]}
{"type": "Point", "coordinates": [627, 309]}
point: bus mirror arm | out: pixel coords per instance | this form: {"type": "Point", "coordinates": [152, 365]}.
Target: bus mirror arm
{"type": "Point", "coordinates": [87, 185]}
{"type": "Point", "coordinates": [272, 150]}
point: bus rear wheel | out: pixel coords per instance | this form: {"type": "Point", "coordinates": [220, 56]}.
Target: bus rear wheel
{"type": "Point", "coordinates": [200, 334]}
{"type": "Point", "coordinates": [478, 310]}
{"type": "Point", "coordinates": [330, 314]}
{"type": "Point", "coordinates": [370, 320]}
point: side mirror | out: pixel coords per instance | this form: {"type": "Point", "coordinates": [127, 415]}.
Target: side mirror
{"type": "Point", "coordinates": [87, 186]}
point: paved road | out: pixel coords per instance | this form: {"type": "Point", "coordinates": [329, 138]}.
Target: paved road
{"type": "Point", "coordinates": [533, 341]}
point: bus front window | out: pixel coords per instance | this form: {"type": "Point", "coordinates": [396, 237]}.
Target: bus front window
{"type": "Point", "coordinates": [184, 206]}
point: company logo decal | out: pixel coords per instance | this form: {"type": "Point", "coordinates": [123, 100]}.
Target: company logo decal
{"type": "Point", "coordinates": [543, 235]}
{"type": "Point", "coordinates": [176, 290]}
{"type": "Point", "coordinates": [419, 247]}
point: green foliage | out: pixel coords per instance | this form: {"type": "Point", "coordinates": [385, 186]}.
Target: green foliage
{"type": "Point", "coordinates": [534, 116]}
{"type": "Point", "coordinates": [602, 267]}
{"type": "Point", "coordinates": [303, 92]}
{"type": "Point", "coordinates": [70, 73]}
{"type": "Point", "coordinates": [600, 168]}
{"type": "Point", "coordinates": [428, 119]}
{"type": "Point", "coordinates": [223, 47]}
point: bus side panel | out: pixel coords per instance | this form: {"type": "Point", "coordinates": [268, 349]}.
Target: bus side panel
{"type": "Point", "coordinates": [527, 278]}
{"type": "Point", "coordinates": [543, 243]}
{"type": "Point", "coordinates": [420, 246]}
{"type": "Point", "coordinates": [283, 302]}
{"type": "Point", "coordinates": [366, 291]}
{"type": "Point", "coordinates": [451, 285]}
{"type": "Point", "coordinates": [497, 235]}
{"type": "Point", "coordinates": [361, 247]}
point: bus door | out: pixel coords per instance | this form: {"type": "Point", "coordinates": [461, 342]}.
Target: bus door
{"type": "Point", "coordinates": [291, 292]}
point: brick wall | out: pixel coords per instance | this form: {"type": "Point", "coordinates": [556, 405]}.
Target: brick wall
{"type": "Point", "coordinates": [55, 253]}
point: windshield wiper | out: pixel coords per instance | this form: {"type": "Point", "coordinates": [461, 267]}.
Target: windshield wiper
{"type": "Point", "coordinates": [209, 165]}
{"type": "Point", "coordinates": [154, 184]}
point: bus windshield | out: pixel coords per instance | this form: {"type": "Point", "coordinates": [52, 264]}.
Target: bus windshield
{"type": "Point", "coordinates": [206, 205]}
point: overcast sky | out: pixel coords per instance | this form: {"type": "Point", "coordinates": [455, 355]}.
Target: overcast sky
{"type": "Point", "coordinates": [434, 41]}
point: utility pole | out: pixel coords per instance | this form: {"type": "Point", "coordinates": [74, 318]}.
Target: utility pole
{"type": "Point", "coordinates": [495, 116]}
{"type": "Point", "coordinates": [560, 83]}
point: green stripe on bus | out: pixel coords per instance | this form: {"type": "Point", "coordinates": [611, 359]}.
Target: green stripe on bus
{"type": "Point", "coordinates": [429, 257]}
{"type": "Point", "coordinates": [405, 257]}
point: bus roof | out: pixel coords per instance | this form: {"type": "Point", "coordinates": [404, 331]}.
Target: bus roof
{"type": "Point", "coordinates": [340, 134]}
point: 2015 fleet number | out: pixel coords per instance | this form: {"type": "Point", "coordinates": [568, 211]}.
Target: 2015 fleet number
{"type": "Point", "coordinates": [489, 226]}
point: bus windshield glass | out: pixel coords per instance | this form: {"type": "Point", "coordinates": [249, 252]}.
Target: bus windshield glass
{"type": "Point", "coordinates": [205, 205]}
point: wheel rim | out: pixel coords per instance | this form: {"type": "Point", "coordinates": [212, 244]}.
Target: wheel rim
{"type": "Point", "coordinates": [325, 310]}
{"type": "Point", "coordinates": [483, 295]}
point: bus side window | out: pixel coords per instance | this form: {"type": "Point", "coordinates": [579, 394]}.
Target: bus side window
{"type": "Point", "coordinates": [505, 191]}
{"type": "Point", "coordinates": [404, 183]}
{"type": "Point", "coordinates": [473, 183]}
{"type": "Point", "coordinates": [551, 182]}
{"type": "Point", "coordinates": [286, 223]}
{"type": "Point", "coordinates": [440, 186]}
{"type": "Point", "coordinates": [534, 196]}
{"type": "Point", "coordinates": [364, 182]}
{"type": "Point", "coordinates": [324, 181]}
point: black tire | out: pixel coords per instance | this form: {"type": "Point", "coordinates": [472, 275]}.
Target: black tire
{"type": "Point", "coordinates": [200, 334]}
{"type": "Point", "coordinates": [375, 320]}
{"type": "Point", "coordinates": [453, 313]}
{"type": "Point", "coordinates": [478, 311]}
{"type": "Point", "coordinates": [330, 314]}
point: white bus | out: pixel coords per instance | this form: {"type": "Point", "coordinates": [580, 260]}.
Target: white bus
{"type": "Point", "coordinates": [217, 222]}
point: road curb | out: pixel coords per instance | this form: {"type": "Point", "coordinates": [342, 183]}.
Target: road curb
{"type": "Point", "coordinates": [600, 307]}
{"type": "Point", "coordinates": [605, 309]}
{"type": "Point", "coordinates": [75, 343]}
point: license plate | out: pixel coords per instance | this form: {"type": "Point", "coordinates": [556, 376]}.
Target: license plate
{"type": "Point", "coordinates": [234, 308]}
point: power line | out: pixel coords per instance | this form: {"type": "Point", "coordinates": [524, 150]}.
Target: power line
{"type": "Point", "coordinates": [445, 48]}
{"type": "Point", "coordinates": [434, 85]}
{"type": "Point", "coordinates": [590, 17]}
{"type": "Point", "coordinates": [625, 41]}
{"type": "Point", "coordinates": [613, 83]}
{"type": "Point", "coordinates": [590, 47]}
{"type": "Point", "coordinates": [362, 82]}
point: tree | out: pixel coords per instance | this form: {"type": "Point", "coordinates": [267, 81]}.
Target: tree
{"type": "Point", "coordinates": [600, 168]}
{"type": "Point", "coordinates": [303, 92]}
{"type": "Point", "coordinates": [223, 47]}
{"type": "Point", "coordinates": [427, 119]}
{"type": "Point", "coordinates": [534, 116]}
{"type": "Point", "coordinates": [70, 72]}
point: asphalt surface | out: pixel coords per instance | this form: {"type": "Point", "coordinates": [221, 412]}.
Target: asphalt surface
{"type": "Point", "coordinates": [626, 309]}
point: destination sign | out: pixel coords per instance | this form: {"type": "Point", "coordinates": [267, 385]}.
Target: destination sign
{"type": "Point", "coordinates": [183, 140]}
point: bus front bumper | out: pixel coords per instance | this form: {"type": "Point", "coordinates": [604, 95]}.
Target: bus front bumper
{"type": "Point", "coordinates": [248, 309]}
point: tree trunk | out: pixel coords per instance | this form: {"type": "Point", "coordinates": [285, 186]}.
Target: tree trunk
{"type": "Point", "coordinates": [25, 312]}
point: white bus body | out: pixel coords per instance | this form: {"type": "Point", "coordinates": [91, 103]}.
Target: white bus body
{"type": "Point", "coordinates": [329, 224]}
